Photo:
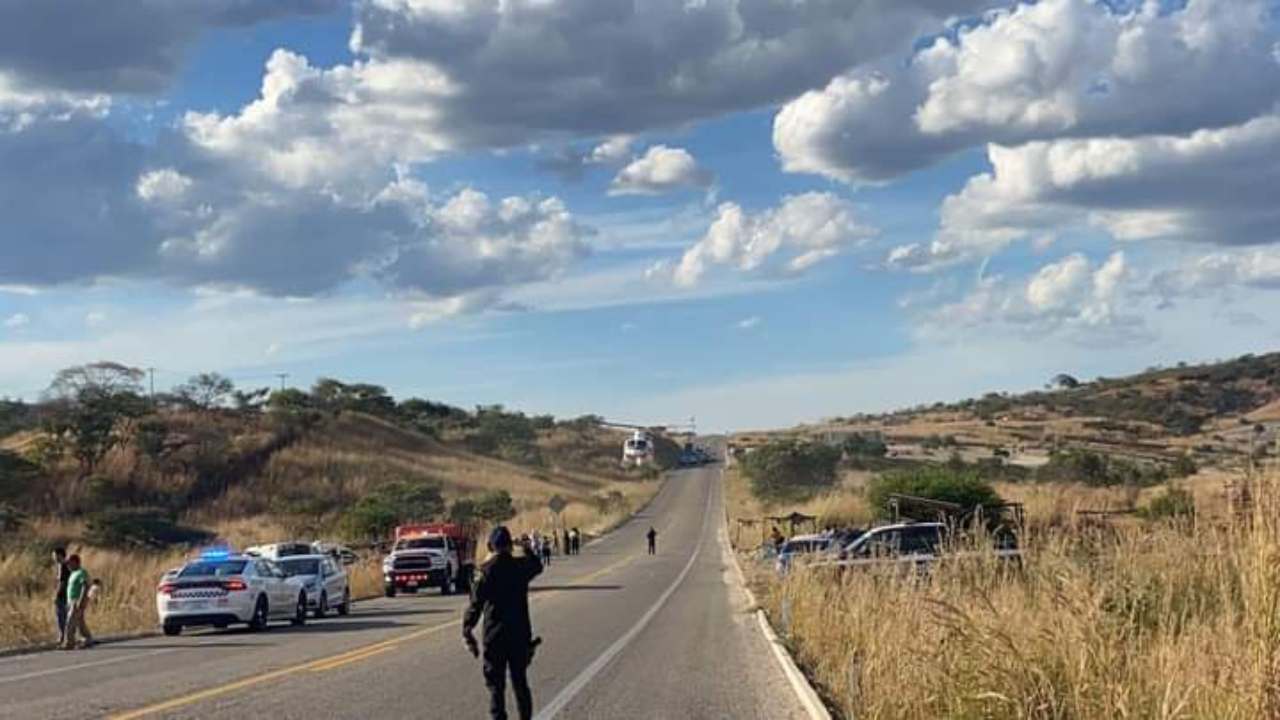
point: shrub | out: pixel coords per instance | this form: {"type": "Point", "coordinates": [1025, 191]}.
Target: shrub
{"type": "Point", "coordinates": [377, 514]}
{"type": "Point", "coordinates": [962, 486]}
{"type": "Point", "coordinates": [1173, 503]}
{"type": "Point", "coordinates": [370, 519]}
{"type": "Point", "coordinates": [140, 527]}
{"type": "Point", "coordinates": [789, 469]}
{"type": "Point", "coordinates": [1184, 466]}
{"type": "Point", "coordinates": [865, 445]}
{"type": "Point", "coordinates": [495, 507]}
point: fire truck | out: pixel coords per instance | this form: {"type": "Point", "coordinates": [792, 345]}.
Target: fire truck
{"type": "Point", "coordinates": [439, 555]}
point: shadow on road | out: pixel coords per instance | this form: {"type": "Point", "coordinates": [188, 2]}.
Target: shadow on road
{"type": "Point", "coordinates": [392, 613]}
{"type": "Point", "coordinates": [562, 588]}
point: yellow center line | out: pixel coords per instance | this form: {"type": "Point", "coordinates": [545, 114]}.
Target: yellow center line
{"type": "Point", "coordinates": [333, 661]}
{"type": "Point", "coordinates": [352, 659]}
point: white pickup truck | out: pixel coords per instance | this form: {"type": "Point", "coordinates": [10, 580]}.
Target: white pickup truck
{"type": "Point", "coordinates": [430, 555]}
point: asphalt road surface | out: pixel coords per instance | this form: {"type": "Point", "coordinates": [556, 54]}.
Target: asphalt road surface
{"type": "Point", "coordinates": [625, 635]}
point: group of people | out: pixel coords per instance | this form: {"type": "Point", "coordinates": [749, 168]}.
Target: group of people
{"type": "Point", "coordinates": [546, 546]}
{"type": "Point", "coordinates": [74, 595]}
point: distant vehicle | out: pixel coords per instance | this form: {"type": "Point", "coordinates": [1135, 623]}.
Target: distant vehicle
{"type": "Point", "coordinates": [919, 544]}
{"type": "Point", "coordinates": [341, 553]}
{"type": "Point", "coordinates": [689, 456]}
{"type": "Point", "coordinates": [802, 545]}
{"type": "Point", "coordinates": [222, 589]}
{"type": "Point", "coordinates": [275, 551]}
{"type": "Point", "coordinates": [323, 578]}
{"type": "Point", "coordinates": [431, 555]}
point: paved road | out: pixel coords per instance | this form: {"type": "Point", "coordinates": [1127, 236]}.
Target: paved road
{"type": "Point", "coordinates": [626, 635]}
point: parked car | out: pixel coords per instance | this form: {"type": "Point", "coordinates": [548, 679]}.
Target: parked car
{"type": "Point", "coordinates": [323, 578]}
{"type": "Point", "coordinates": [275, 551]}
{"type": "Point", "coordinates": [221, 589]}
{"type": "Point", "coordinates": [802, 545]}
{"type": "Point", "coordinates": [918, 544]}
{"type": "Point", "coordinates": [339, 552]}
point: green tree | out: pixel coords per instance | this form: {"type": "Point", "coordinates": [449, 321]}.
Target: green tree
{"type": "Point", "coordinates": [88, 404]}
{"type": "Point", "coordinates": [495, 507]}
{"type": "Point", "coordinates": [788, 469]}
{"type": "Point", "coordinates": [371, 518]}
{"type": "Point", "coordinates": [962, 486]}
{"type": "Point", "coordinates": [205, 391]}
{"type": "Point", "coordinates": [865, 445]}
{"type": "Point", "coordinates": [1172, 503]}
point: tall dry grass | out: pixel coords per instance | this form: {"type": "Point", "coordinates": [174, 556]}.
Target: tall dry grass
{"type": "Point", "coordinates": [1127, 620]}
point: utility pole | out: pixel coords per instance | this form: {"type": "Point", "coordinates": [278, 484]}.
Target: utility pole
{"type": "Point", "coordinates": [283, 377]}
{"type": "Point", "coordinates": [151, 373]}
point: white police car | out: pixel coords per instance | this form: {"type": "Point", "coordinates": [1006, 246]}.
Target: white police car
{"type": "Point", "coordinates": [221, 589]}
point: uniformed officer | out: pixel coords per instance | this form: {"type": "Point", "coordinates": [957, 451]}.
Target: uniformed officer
{"type": "Point", "coordinates": [501, 596]}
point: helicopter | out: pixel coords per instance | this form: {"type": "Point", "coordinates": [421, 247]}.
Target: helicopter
{"type": "Point", "coordinates": [638, 450]}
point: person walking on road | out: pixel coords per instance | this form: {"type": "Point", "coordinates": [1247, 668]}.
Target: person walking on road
{"type": "Point", "coordinates": [501, 597]}
{"type": "Point", "coordinates": [60, 594]}
{"type": "Point", "coordinates": [77, 605]}
{"type": "Point", "coordinates": [652, 536]}
{"type": "Point", "coordinates": [575, 538]}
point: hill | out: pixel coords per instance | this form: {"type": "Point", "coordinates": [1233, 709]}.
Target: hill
{"type": "Point", "coordinates": [1221, 413]}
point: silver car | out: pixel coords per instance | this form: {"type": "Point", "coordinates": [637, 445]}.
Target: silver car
{"type": "Point", "coordinates": [324, 580]}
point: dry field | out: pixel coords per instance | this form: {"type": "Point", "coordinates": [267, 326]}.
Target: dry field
{"type": "Point", "coordinates": [1120, 620]}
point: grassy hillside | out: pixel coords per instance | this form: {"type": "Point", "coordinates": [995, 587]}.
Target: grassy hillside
{"type": "Point", "coordinates": [1221, 414]}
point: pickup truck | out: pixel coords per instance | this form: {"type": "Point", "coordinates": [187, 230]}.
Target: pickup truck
{"type": "Point", "coordinates": [430, 555]}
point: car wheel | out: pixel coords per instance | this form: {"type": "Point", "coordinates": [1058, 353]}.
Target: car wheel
{"type": "Point", "coordinates": [172, 629]}
{"type": "Point", "coordinates": [300, 612]}
{"type": "Point", "coordinates": [220, 625]}
{"type": "Point", "coordinates": [322, 608]}
{"type": "Point", "coordinates": [389, 590]}
{"type": "Point", "coordinates": [258, 622]}
{"type": "Point", "coordinates": [446, 587]}
{"type": "Point", "coordinates": [345, 608]}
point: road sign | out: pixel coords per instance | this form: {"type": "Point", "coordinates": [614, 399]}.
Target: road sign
{"type": "Point", "coordinates": [557, 504]}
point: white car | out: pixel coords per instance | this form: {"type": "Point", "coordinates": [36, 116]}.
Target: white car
{"type": "Point", "coordinates": [324, 580]}
{"type": "Point", "coordinates": [275, 551]}
{"type": "Point", "coordinates": [222, 589]}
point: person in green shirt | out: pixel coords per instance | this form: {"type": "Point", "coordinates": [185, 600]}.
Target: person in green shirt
{"type": "Point", "coordinates": [78, 604]}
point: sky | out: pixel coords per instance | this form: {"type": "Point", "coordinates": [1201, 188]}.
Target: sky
{"type": "Point", "coordinates": [755, 213]}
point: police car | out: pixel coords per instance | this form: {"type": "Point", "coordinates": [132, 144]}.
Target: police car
{"type": "Point", "coordinates": [221, 589]}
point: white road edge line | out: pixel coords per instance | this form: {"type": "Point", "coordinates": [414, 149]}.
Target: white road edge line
{"type": "Point", "coordinates": [81, 666]}
{"type": "Point", "coordinates": [800, 684]}
{"type": "Point", "coordinates": [570, 691]}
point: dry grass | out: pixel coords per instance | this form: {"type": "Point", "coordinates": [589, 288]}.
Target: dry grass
{"type": "Point", "coordinates": [1137, 621]}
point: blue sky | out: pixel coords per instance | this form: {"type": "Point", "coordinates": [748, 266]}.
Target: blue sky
{"type": "Point", "coordinates": [754, 212]}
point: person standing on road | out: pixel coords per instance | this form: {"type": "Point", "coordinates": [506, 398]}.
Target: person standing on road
{"type": "Point", "coordinates": [568, 546]}
{"type": "Point", "coordinates": [576, 538]}
{"type": "Point", "coordinates": [60, 594]}
{"type": "Point", "coordinates": [501, 596]}
{"type": "Point", "coordinates": [546, 551]}
{"type": "Point", "coordinates": [652, 536]}
{"type": "Point", "coordinates": [77, 604]}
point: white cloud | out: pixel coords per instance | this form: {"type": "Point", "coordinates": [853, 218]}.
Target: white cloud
{"type": "Point", "coordinates": [1213, 186]}
{"type": "Point", "coordinates": [1071, 297]}
{"type": "Point", "coordinates": [95, 318]}
{"type": "Point", "coordinates": [1048, 70]}
{"type": "Point", "coordinates": [803, 231]}
{"type": "Point", "coordinates": [1219, 273]}
{"type": "Point", "coordinates": [661, 169]}
{"type": "Point", "coordinates": [162, 185]}
{"type": "Point", "coordinates": [17, 320]}
{"type": "Point", "coordinates": [750, 323]}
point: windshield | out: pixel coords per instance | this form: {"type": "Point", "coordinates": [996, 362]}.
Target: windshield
{"type": "Point", "coordinates": [309, 566]}
{"type": "Point", "coordinates": [429, 543]}
{"type": "Point", "coordinates": [217, 568]}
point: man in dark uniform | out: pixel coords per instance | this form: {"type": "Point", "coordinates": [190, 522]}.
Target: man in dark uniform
{"type": "Point", "coordinates": [652, 536]}
{"type": "Point", "coordinates": [60, 598]}
{"type": "Point", "coordinates": [501, 596]}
